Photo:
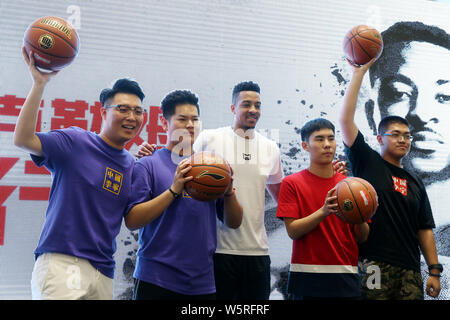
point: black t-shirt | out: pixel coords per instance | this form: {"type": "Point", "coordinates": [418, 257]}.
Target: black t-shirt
{"type": "Point", "coordinates": [403, 208]}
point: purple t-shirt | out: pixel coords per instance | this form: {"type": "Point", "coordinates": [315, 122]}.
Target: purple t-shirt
{"type": "Point", "coordinates": [176, 249]}
{"type": "Point", "coordinates": [88, 198]}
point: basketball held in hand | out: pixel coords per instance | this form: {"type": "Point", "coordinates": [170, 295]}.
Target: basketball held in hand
{"type": "Point", "coordinates": [54, 43]}
{"type": "Point", "coordinates": [357, 200]}
{"type": "Point", "coordinates": [361, 44]}
{"type": "Point", "coordinates": [211, 176]}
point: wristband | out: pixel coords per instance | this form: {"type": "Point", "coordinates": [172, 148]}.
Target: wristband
{"type": "Point", "coordinates": [434, 275]}
{"type": "Point", "coordinates": [437, 266]}
{"type": "Point", "coordinates": [175, 195]}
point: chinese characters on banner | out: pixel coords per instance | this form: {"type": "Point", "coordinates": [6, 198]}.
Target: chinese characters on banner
{"type": "Point", "coordinates": [65, 114]}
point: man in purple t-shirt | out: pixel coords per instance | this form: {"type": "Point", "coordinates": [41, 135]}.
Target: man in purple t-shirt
{"type": "Point", "coordinates": [90, 191]}
{"type": "Point", "coordinates": [178, 233]}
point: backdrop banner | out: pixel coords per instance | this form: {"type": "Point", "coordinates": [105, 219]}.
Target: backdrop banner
{"type": "Point", "coordinates": [291, 48]}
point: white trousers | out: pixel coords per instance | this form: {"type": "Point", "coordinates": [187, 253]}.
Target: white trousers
{"type": "Point", "coordinates": [63, 277]}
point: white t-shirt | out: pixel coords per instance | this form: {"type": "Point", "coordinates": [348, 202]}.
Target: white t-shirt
{"type": "Point", "coordinates": [255, 162]}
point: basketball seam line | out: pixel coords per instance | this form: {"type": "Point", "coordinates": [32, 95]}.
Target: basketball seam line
{"type": "Point", "coordinates": [49, 54]}
{"type": "Point", "coordinates": [352, 46]}
{"type": "Point", "coordinates": [58, 37]}
{"type": "Point", "coordinates": [339, 206]}
{"type": "Point", "coordinates": [359, 34]}
{"type": "Point", "coordinates": [354, 198]}
{"type": "Point", "coordinates": [368, 39]}
{"type": "Point", "coordinates": [362, 48]}
{"type": "Point", "coordinates": [349, 40]}
{"type": "Point", "coordinates": [204, 184]}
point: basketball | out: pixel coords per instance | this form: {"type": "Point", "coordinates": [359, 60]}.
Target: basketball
{"type": "Point", "coordinates": [54, 42]}
{"type": "Point", "coordinates": [211, 176]}
{"type": "Point", "coordinates": [361, 44]}
{"type": "Point", "coordinates": [357, 200]}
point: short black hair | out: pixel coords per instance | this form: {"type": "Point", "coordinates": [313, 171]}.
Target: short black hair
{"type": "Point", "coordinates": [175, 98]}
{"type": "Point", "coordinates": [315, 125]}
{"type": "Point", "coordinates": [121, 86]}
{"type": "Point", "coordinates": [387, 121]}
{"type": "Point", "coordinates": [244, 86]}
{"type": "Point", "coordinates": [398, 37]}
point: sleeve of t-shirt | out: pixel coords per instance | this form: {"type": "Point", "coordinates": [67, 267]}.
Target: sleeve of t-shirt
{"type": "Point", "coordinates": [141, 190]}
{"type": "Point", "coordinates": [288, 204]}
{"type": "Point", "coordinates": [359, 153]}
{"type": "Point", "coordinates": [276, 173]}
{"type": "Point", "coordinates": [56, 146]}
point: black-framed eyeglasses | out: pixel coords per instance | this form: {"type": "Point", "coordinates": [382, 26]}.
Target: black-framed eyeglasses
{"type": "Point", "coordinates": [397, 136]}
{"type": "Point", "coordinates": [126, 109]}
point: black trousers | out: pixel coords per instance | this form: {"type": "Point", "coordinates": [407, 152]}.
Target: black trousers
{"type": "Point", "coordinates": [242, 277]}
{"type": "Point", "coordinates": [149, 291]}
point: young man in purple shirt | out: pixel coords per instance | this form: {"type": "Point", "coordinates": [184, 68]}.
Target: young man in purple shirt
{"type": "Point", "coordinates": [90, 191]}
{"type": "Point", "coordinates": [178, 233]}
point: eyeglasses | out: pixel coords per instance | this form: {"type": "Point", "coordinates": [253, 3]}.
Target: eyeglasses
{"type": "Point", "coordinates": [397, 136]}
{"type": "Point", "coordinates": [125, 109]}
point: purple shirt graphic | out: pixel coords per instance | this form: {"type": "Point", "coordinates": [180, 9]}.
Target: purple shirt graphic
{"type": "Point", "coordinates": [89, 195]}
{"type": "Point", "coordinates": [176, 249]}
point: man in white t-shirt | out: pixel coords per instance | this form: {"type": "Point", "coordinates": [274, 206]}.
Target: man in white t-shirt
{"type": "Point", "coordinates": [242, 262]}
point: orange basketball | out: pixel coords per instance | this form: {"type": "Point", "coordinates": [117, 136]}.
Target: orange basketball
{"type": "Point", "coordinates": [357, 200]}
{"type": "Point", "coordinates": [211, 176]}
{"type": "Point", "coordinates": [55, 43]}
{"type": "Point", "coordinates": [361, 44]}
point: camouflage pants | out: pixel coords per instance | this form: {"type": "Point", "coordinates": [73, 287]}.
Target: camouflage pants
{"type": "Point", "coordinates": [382, 281]}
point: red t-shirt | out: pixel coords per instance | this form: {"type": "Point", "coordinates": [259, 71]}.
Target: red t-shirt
{"type": "Point", "coordinates": [332, 242]}
{"type": "Point", "coordinates": [324, 261]}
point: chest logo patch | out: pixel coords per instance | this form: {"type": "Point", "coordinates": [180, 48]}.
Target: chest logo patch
{"type": "Point", "coordinates": [186, 195]}
{"type": "Point", "coordinates": [400, 185]}
{"type": "Point", "coordinates": [113, 181]}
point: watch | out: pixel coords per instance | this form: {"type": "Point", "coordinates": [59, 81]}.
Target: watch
{"type": "Point", "coordinates": [175, 195]}
{"type": "Point", "coordinates": [437, 266]}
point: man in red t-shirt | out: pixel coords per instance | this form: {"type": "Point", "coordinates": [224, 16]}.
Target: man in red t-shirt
{"type": "Point", "coordinates": [324, 260]}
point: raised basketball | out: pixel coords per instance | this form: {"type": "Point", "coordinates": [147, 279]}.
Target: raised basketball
{"type": "Point", "coordinates": [357, 200]}
{"type": "Point", "coordinates": [361, 44]}
{"type": "Point", "coordinates": [54, 42]}
{"type": "Point", "coordinates": [211, 176]}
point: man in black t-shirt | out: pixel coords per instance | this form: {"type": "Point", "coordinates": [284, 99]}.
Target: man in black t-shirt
{"type": "Point", "coordinates": [403, 222]}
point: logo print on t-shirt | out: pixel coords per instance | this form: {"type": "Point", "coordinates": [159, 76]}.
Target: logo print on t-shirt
{"type": "Point", "coordinates": [113, 181]}
{"type": "Point", "coordinates": [247, 156]}
{"type": "Point", "coordinates": [186, 195]}
{"type": "Point", "coordinates": [400, 185]}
